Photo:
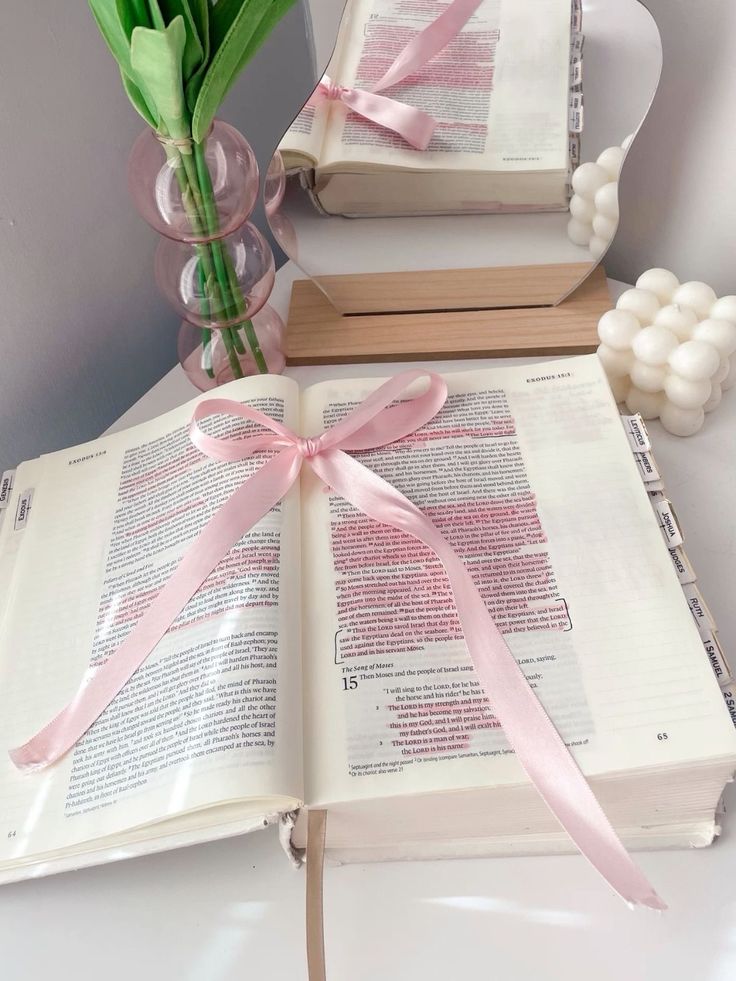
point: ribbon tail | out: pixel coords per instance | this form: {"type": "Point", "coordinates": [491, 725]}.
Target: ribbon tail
{"type": "Point", "coordinates": [250, 502]}
{"type": "Point", "coordinates": [538, 746]}
{"type": "Point", "coordinates": [429, 42]}
{"type": "Point", "coordinates": [413, 125]}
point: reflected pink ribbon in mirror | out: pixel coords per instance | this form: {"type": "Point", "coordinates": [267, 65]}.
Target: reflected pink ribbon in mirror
{"type": "Point", "coordinates": [412, 124]}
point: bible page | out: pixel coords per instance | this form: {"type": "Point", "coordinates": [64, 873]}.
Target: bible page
{"type": "Point", "coordinates": [499, 90]}
{"type": "Point", "coordinates": [213, 716]}
{"type": "Point", "coordinates": [528, 474]}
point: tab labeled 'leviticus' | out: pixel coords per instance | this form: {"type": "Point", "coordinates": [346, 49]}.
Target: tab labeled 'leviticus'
{"type": "Point", "coordinates": [636, 433]}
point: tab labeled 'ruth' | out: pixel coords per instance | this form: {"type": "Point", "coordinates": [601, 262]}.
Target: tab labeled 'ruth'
{"type": "Point", "coordinates": [701, 614]}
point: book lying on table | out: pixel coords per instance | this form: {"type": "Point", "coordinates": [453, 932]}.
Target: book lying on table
{"type": "Point", "coordinates": [501, 92]}
{"type": "Point", "coordinates": [322, 664]}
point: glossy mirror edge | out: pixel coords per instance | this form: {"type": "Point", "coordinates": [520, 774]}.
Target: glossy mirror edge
{"type": "Point", "coordinates": [623, 44]}
{"type": "Point", "coordinates": [654, 53]}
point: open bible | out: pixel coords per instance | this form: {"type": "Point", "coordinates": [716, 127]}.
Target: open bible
{"type": "Point", "coordinates": [505, 93]}
{"type": "Point", "coordinates": [322, 663]}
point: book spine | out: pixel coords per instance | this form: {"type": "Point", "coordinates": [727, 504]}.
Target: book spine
{"type": "Point", "coordinates": [670, 527]}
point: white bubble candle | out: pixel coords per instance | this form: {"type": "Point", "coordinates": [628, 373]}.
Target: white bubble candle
{"type": "Point", "coordinates": [594, 202]}
{"type": "Point", "coordinates": [669, 349]}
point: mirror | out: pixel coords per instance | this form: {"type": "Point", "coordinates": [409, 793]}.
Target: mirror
{"type": "Point", "coordinates": [497, 210]}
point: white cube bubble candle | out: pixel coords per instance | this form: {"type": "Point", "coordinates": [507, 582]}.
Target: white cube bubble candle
{"type": "Point", "coordinates": [594, 202]}
{"type": "Point", "coordinates": [668, 349]}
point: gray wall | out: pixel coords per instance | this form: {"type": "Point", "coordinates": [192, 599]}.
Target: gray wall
{"type": "Point", "coordinates": [83, 331]}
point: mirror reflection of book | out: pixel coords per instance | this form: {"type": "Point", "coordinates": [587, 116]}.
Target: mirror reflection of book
{"type": "Point", "coordinates": [500, 92]}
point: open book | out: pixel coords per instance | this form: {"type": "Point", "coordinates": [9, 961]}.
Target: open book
{"type": "Point", "coordinates": [500, 91]}
{"type": "Point", "coordinates": [322, 664]}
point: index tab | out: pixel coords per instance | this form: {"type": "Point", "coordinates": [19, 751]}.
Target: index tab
{"type": "Point", "coordinates": [729, 696]}
{"type": "Point", "coordinates": [685, 571]}
{"type": "Point", "coordinates": [636, 433]}
{"type": "Point", "coordinates": [6, 486]}
{"type": "Point", "coordinates": [717, 658]}
{"type": "Point", "coordinates": [23, 510]}
{"type": "Point", "coordinates": [577, 15]}
{"type": "Point", "coordinates": [701, 614]}
{"type": "Point", "coordinates": [575, 118]}
{"type": "Point", "coordinates": [668, 523]}
{"type": "Point", "coordinates": [647, 467]}
{"type": "Point", "coordinates": [574, 151]}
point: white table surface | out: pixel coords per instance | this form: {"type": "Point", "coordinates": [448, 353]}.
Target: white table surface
{"type": "Point", "coordinates": [234, 909]}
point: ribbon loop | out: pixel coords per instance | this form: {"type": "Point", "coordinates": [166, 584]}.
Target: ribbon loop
{"type": "Point", "coordinates": [413, 125]}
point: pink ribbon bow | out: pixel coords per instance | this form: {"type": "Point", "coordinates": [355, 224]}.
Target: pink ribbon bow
{"type": "Point", "coordinates": [375, 422]}
{"type": "Point", "coordinates": [414, 125]}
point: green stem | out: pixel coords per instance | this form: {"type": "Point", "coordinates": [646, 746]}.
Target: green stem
{"type": "Point", "coordinates": [206, 332]}
{"type": "Point", "coordinates": [199, 180]}
{"type": "Point", "coordinates": [192, 200]}
{"type": "Point", "coordinates": [222, 260]}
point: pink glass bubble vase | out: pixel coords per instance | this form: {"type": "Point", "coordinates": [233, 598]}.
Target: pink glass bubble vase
{"type": "Point", "coordinates": [212, 264]}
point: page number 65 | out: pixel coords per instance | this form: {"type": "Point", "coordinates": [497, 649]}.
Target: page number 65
{"type": "Point", "coordinates": [661, 736]}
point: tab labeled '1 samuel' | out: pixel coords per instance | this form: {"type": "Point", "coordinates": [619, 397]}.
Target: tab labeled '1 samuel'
{"type": "Point", "coordinates": [718, 662]}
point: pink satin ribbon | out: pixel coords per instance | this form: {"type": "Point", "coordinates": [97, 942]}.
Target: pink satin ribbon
{"type": "Point", "coordinates": [414, 125]}
{"type": "Point", "coordinates": [375, 422]}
